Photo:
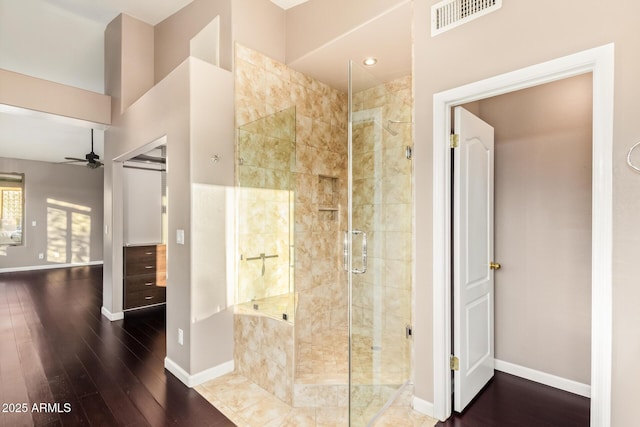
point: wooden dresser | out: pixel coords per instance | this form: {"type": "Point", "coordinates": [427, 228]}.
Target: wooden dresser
{"type": "Point", "coordinates": [145, 279]}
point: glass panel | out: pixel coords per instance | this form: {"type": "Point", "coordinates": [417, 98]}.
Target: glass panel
{"type": "Point", "coordinates": [266, 157]}
{"type": "Point", "coordinates": [11, 208]}
{"type": "Point", "coordinates": [380, 211]}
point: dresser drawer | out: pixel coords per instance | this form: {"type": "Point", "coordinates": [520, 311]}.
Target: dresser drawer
{"type": "Point", "coordinates": [155, 295]}
{"type": "Point", "coordinates": [145, 281]}
{"type": "Point", "coordinates": [144, 259]}
{"type": "Point", "coordinates": [145, 277]}
{"type": "Point", "coordinates": [146, 255]}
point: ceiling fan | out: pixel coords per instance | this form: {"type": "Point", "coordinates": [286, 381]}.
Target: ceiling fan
{"type": "Point", "coordinates": [91, 158]}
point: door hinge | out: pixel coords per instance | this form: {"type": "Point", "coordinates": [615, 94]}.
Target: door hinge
{"type": "Point", "coordinates": [453, 140]}
{"type": "Point", "coordinates": [408, 331]}
{"type": "Point", "coordinates": [454, 363]}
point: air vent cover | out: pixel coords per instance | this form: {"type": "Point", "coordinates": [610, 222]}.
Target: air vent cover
{"type": "Point", "coordinates": [449, 14]}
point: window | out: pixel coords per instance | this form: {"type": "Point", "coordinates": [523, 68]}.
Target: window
{"type": "Point", "coordinates": [11, 208]}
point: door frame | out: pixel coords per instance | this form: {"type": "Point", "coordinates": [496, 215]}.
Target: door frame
{"type": "Point", "coordinates": [600, 62]}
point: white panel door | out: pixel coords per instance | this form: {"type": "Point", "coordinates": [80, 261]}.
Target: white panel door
{"type": "Point", "coordinates": [472, 255]}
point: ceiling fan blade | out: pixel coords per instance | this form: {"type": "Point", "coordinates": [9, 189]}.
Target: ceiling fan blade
{"type": "Point", "coordinates": [75, 159]}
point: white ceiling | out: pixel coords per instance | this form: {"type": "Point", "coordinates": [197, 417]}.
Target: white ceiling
{"type": "Point", "coordinates": [45, 138]}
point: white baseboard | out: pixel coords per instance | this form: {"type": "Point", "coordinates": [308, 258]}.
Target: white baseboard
{"type": "Point", "coordinates": [201, 377]}
{"type": "Point", "coordinates": [47, 266]}
{"type": "Point", "coordinates": [543, 378]}
{"type": "Point", "coordinates": [422, 406]}
{"type": "Point", "coordinates": [112, 316]}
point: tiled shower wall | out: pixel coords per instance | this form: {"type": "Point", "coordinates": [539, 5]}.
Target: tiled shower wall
{"type": "Point", "coordinates": [264, 87]}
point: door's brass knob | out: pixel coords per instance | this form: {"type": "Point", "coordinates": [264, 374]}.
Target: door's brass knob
{"type": "Point", "coordinates": [494, 265]}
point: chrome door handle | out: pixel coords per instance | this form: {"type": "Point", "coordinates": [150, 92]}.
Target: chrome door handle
{"type": "Point", "coordinates": [364, 253]}
{"type": "Point", "coordinates": [345, 251]}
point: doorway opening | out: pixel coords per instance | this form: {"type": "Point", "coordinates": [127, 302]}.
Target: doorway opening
{"type": "Point", "coordinates": [599, 62]}
{"type": "Point", "coordinates": [533, 257]}
{"type": "Point", "coordinates": [140, 201]}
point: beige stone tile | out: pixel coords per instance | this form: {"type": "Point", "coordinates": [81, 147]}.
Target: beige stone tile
{"type": "Point", "coordinates": [265, 412]}
{"type": "Point", "coordinates": [393, 161]}
{"type": "Point", "coordinates": [305, 396]}
{"type": "Point", "coordinates": [297, 417]}
{"type": "Point", "coordinates": [397, 217]}
{"type": "Point", "coordinates": [398, 107]}
{"type": "Point", "coordinates": [248, 110]}
{"type": "Point", "coordinates": [401, 83]}
{"type": "Point", "coordinates": [278, 92]}
{"type": "Point", "coordinates": [374, 97]}
{"type": "Point", "coordinates": [250, 82]}
{"type": "Point", "coordinates": [396, 189]}
{"type": "Point", "coordinates": [397, 245]}
{"type": "Point", "coordinates": [332, 417]}
{"type": "Point", "coordinates": [304, 128]}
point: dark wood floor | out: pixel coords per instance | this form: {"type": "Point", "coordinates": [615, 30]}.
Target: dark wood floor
{"type": "Point", "coordinates": [56, 348]}
{"type": "Point", "coordinates": [510, 401]}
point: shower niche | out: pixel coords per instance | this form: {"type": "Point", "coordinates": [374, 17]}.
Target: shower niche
{"type": "Point", "coordinates": [328, 197]}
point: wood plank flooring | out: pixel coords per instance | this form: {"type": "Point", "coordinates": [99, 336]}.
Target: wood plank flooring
{"type": "Point", "coordinates": [510, 401]}
{"type": "Point", "coordinates": [57, 349]}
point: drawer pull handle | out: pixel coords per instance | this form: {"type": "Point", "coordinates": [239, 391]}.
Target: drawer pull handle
{"type": "Point", "coordinates": [148, 253]}
{"type": "Point", "coordinates": [148, 284]}
{"type": "Point", "coordinates": [148, 298]}
{"type": "Point", "coordinates": [148, 266]}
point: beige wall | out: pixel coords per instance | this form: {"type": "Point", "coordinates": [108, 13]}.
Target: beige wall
{"type": "Point", "coordinates": [543, 226]}
{"type": "Point", "coordinates": [19, 90]}
{"type": "Point", "coordinates": [172, 36]}
{"type": "Point", "coordinates": [193, 108]}
{"type": "Point", "coordinates": [260, 25]}
{"type": "Point", "coordinates": [65, 201]}
{"type": "Point", "coordinates": [137, 70]}
{"type": "Point", "coordinates": [212, 133]}
{"type": "Point", "coordinates": [541, 36]}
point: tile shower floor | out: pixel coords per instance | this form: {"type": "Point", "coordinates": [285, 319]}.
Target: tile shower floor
{"type": "Point", "coordinates": [248, 405]}
{"type": "Point", "coordinates": [326, 361]}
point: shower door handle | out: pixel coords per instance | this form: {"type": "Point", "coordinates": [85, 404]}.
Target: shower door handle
{"type": "Point", "coordinates": [364, 253]}
{"type": "Point", "coordinates": [345, 252]}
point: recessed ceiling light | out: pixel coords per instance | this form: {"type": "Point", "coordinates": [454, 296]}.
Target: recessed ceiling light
{"type": "Point", "coordinates": [370, 61]}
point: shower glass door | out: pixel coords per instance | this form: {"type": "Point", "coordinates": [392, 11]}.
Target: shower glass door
{"type": "Point", "coordinates": [378, 241]}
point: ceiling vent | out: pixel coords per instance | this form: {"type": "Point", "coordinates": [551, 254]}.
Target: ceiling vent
{"type": "Point", "coordinates": [449, 14]}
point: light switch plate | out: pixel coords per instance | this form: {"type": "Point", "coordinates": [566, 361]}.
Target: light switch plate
{"type": "Point", "coordinates": [180, 237]}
